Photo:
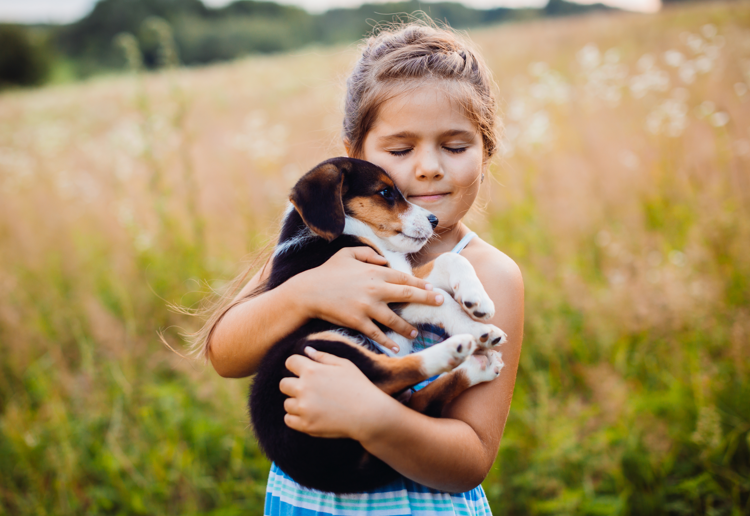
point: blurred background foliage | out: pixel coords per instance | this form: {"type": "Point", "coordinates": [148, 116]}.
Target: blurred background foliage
{"type": "Point", "coordinates": [622, 189]}
{"type": "Point", "coordinates": [204, 34]}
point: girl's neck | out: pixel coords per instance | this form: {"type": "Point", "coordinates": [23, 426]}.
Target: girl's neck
{"type": "Point", "coordinates": [444, 240]}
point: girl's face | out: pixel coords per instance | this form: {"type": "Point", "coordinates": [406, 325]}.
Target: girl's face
{"type": "Point", "coordinates": [433, 152]}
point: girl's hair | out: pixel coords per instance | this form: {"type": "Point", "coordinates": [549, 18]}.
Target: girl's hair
{"type": "Point", "coordinates": [402, 56]}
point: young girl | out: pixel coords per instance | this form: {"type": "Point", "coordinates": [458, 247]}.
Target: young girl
{"type": "Point", "coordinates": [420, 105]}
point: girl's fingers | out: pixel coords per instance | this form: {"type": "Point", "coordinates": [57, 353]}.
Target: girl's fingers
{"type": "Point", "coordinates": [325, 358]}
{"type": "Point", "coordinates": [401, 278]}
{"type": "Point", "coordinates": [408, 294]}
{"type": "Point", "coordinates": [297, 364]}
{"type": "Point", "coordinates": [371, 330]}
{"type": "Point", "coordinates": [367, 255]}
{"type": "Point", "coordinates": [291, 406]}
{"type": "Point", "coordinates": [294, 422]}
{"type": "Point", "coordinates": [388, 317]}
{"type": "Point", "coordinates": [289, 386]}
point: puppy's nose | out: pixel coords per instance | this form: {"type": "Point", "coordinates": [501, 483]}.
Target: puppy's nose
{"type": "Point", "coordinates": [433, 220]}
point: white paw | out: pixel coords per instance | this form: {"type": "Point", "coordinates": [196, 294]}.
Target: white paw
{"type": "Point", "coordinates": [489, 336]}
{"type": "Point", "coordinates": [448, 354]}
{"type": "Point", "coordinates": [482, 367]}
{"type": "Point", "coordinates": [470, 294]}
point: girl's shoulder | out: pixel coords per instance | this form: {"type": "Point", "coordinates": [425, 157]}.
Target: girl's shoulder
{"type": "Point", "coordinates": [494, 267]}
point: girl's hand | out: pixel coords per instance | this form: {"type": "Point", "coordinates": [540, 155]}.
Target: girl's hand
{"type": "Point", "coordinates": [330, 396]}
{"type": "Point", "coordinates": [353, 288]}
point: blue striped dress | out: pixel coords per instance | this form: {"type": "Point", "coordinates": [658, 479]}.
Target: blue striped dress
{"type": "Point", "coordinates": [402, 497]}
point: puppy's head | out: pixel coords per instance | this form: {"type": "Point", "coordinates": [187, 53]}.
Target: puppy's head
{"type": "Point", "coordinates": [342, 188]}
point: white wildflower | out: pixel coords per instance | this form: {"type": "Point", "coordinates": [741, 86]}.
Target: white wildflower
{"type": "Point", "coordinates": [709, 30]}
{"type": "Point", "coordinates": [646, 62]}
{"type": "Point", "coordinates": [537, 130]}
{"type": "Point", "coordinates": [687, 72]}
{"type": "Point", "coordinates": [673, 58]}
{"type": "Point", "coordinates": [677, 258]}
{"type": "Point", "coordinates": [616, 277]}
{"type": "Point", "coordinates": [259, 140]}
{"type": "Point", "coordinates": [512, 132]}
{"type": "Point", "coordinates": [125, 214]}
{"type": "Point", "coordinates": [669, 118]}
{"type": "Point", "coordinates": [703, 64]}
{"type": "Point", "coordinates": [629, 159]}
{"type": "Point", "coordinates": [538, 68]}
{"type": "Point", "coordinates": [143, 241]}
{"type": "Point", "coordinates": [712, 52]}
{"type": "Point", "coordinates": [612, 56]}
{"type": "Point", "coordinates": [695, 43]}
{"type": "Point", "coordinates": [706, 108]}
{"type": "Point", "coordinates": [651, 80]}
{"type": "Point", "coordinates": [516, 109]}
{"type": "Point", "coordinates": [589, 56]}
{"type": "Point", "coordinates": [719, 119]}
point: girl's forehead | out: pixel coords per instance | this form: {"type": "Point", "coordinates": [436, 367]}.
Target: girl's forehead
{"type": "Point", "coordinates": [424, 107]}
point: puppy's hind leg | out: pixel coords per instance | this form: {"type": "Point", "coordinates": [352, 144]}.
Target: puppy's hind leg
{"type": "Point", "coordinates": [394, 374]}
{"type": "Point", "coordinates": [478, 368]}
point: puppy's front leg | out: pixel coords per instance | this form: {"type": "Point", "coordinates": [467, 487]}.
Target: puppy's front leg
{"type": "Point", "coordinates": [455, 274]}
{"type": "Point", "coordinates": [451, 317]}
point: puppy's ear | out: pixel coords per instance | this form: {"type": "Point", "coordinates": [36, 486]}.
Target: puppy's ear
{"type": "Point", "coordinates": [317, 197]}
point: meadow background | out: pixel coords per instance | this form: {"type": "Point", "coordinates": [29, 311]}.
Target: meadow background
{"type": "Point", "coordinates": [622, 190]}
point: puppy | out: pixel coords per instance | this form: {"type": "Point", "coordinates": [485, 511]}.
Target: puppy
{"type": "Point", "coordinates": [346, 202]}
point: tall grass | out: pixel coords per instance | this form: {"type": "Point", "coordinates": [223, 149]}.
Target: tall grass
{"type": "Point", "coordinates": [622, 192]}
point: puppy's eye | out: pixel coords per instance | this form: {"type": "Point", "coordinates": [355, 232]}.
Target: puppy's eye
{"type": "Point", "coordinates": [388, 194]}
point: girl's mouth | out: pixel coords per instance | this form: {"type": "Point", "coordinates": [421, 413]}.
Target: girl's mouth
{"type": "Point", "coordinates": [429, 197]}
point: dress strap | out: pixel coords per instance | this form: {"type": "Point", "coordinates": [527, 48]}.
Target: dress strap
{"type": "Point", "coordinates": [464, 242]}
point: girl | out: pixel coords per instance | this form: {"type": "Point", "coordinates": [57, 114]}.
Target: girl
{"type": "Point", "coordinates": [420, 105]}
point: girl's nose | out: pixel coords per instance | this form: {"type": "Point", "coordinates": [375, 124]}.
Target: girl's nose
{"type": "Point", "coordinates": [428, 165]}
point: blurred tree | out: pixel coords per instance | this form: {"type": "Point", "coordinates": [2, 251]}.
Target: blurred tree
{"type": "Point", "coordinates": [205, 34]}
{"type": "Point", "coordinates": [89, 40]}
{"type": "Point", "coordinates": [563, 8]}
{"type": "Point", "coordinates": [24, 60]}
{"type": "Point", "coordinates": [685, 1]}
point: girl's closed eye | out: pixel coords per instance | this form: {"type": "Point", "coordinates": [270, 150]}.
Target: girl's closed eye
{"type": "Point", "coordinates": [452, 149]}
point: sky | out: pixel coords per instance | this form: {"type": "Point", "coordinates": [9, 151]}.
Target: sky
{"type": "Point", "coordinates": [65, 11]}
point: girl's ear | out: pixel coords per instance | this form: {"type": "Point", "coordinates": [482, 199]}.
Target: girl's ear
{"type": "Point", "coordinates": [317, 198]}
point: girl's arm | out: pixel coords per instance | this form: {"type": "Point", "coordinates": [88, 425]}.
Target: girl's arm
{"type": "Point", "coordinates": [357, 290]}
{"type": "Point", "coordinates": [332, 398]}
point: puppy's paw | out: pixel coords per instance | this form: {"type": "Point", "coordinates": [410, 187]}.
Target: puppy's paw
{"type": "Point", "coordinates": [493, 338]}
{"type": "Point", "coordinates": [448, 354]}
{"type": "Point", "coordinates": [488, 336]}
{"type": "Point", "coordinates": [482, 367]}
{"type": "Point", "coordinates": [470, 294]}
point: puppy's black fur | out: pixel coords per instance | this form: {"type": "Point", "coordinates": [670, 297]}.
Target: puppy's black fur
{"type": "Point", "coordinates": [333, 465]}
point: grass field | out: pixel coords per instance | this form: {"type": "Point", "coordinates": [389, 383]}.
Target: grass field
{"type": "Point", "coordinates": [622, 190]}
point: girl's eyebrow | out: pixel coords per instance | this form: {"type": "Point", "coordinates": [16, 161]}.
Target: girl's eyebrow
{"type": "Point", "coordinates": [406, 135]}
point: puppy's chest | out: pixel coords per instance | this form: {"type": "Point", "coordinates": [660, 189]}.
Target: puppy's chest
{"type": "Point", "coordinates": [398, 261]}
